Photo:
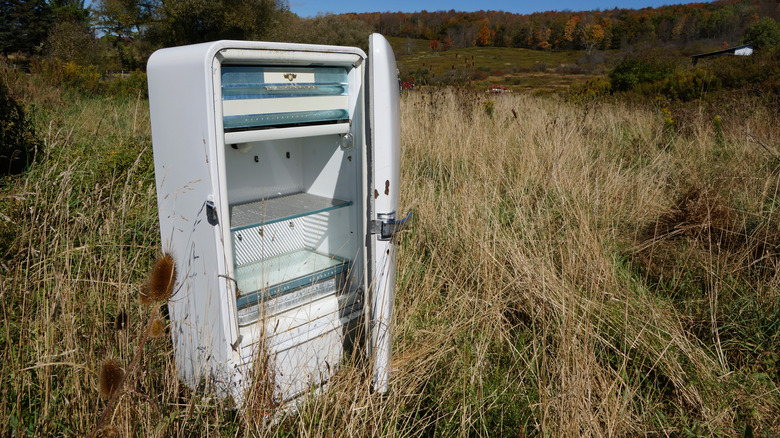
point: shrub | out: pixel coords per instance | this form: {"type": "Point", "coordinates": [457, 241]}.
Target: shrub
{"type": "Point", "coordinates": [687, 86]}
{"type": "Point", "coordinates": [420, 76]}
{"type": "Point", "coordinates": [633, 71]}
{"type": "Point", "coordinates": [479, 76]}
{"type": "Point", "coordinates": [81, 77]}
{"type": "Point", "coordinates": [763, 34]}
{"type": "Point", "coordinates": [747, 71]}
{"type": "Point", "coordinates": [73, 41]}
{"type": "Point", "coordinates": [451, 78]}
{"type": "Point", "coordinates": [758, 74]}
{"type": "Point", "coordinates": [131, 84]}
{"type": "Point", "coordinates": [88, 80]}
{"type": "Point", "coordinates": [17, 136]}
{"type": "Point", "coordinates": [490, 107]}
{"type": "Point", "coordinates": [593, 88]}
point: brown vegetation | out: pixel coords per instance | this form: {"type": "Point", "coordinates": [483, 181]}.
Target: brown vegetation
{"type": "Point", "coordinates": [573, 270]}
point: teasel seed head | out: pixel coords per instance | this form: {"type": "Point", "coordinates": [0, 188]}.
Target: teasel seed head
{"type": "Point", "coordinates": [110, 378]}
{"type": "Point", "coordinates": [109, 431]}
{"type": "Point", "coordinates": [157, 328]}
{"type": "Point", "coordinates": [145, 295]}
{"type": "Point", "coordinates": [120, 322]}
{"type": "Point", "coordinates": [159, 286]}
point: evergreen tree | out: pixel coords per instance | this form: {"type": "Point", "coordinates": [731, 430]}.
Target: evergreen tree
{"type": "Point", "coordinates": [71, 11]}
{"type": "Point", "coordinates": [24, 25]}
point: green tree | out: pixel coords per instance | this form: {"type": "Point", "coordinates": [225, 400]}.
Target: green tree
{"type": "Point", "coordinates": [763, 34]}
{"type": "Point", "coordinates": [179, 22]}
{"type": "Point", "coordinates": [124, 18]}
{"type": "Point", "coordinates": [24, 25]}
{"type": "Point", "coordinates": [72, 38]}
{"type": "Point", "coordinates": [73, 41]}
{"type": "Point", "coordinates": [338, 30]}
{"type": "Point", "coordinates": [124, 23]}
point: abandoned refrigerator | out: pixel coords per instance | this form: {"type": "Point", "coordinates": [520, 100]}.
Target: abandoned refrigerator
{"type": "Point", "coordinates": [277, 169]}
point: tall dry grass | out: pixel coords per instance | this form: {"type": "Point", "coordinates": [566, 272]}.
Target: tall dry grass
{"type": "Point", "coordinates": [522, 256]}
{"type": "Point", "coordinates": [556, 280]}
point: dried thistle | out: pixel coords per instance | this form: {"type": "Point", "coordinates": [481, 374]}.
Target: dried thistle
{"type": "Point", "coordinates": [145, 295]}
{"type": "Point", "coordinates": [120, 322]}
{"type": "Point", "coordinates": [110, 378]}
{"type": "Point", "coordinates": [109, 431]}
{"type": "Point", "coordinates": [156, 329]}
{"type": "Point", "coordinates": [159, 286]}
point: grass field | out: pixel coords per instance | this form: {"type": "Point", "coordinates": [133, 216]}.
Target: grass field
{"type": "Point", "coordinates": [590, 269]}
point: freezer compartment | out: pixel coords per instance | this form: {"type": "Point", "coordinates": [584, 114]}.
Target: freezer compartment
{"type": "Point", "coordinates": [260, 97]}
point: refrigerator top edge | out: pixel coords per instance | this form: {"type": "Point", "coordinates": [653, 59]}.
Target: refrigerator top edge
{"type": "Point", "coordinates": [257, 52]}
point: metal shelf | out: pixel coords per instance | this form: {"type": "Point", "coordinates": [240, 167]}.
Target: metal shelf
{"type": "Point", "coordinates": [279, 209]}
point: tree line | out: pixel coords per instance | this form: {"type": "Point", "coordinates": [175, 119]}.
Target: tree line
{"type": "Point", "coordinates": [679, 25]}
{"type": "Point", "coordinates": [121, 34]}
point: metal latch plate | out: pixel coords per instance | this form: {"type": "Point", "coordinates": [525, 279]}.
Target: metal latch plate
{"type": "Point", "coordinates": [385, 226]}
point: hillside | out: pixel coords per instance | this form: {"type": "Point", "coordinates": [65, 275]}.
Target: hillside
{"type": "Point", "coordinates": [480, 67]}
{"type": "Point", "coordinates": [551, 50]}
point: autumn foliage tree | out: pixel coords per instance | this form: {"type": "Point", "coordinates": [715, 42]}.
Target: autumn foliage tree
{"type": "Point", "coordinates": [446, 43]}
{"type": "Point", "coordinates": [542, 37]}
{"type": "Point", "coordinates": [483, 38]}
{"type": "Point", "coordinates": [570, 29]}
{"type": "Point", "coordinates": [591, 36]}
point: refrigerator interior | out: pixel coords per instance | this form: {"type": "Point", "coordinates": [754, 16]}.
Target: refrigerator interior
{"type": "Point", "coordinates": [296, 217]}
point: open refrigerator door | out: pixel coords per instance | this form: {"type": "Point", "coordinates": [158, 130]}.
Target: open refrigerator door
{"type": "Point", "coordinates": [384, 185]}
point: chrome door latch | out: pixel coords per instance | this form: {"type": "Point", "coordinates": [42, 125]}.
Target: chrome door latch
{"type": "Point", "coordinates": [386, 225]}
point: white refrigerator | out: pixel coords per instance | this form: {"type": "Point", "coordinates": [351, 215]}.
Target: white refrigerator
{"type": "Point", "coordinates": [277, 170]}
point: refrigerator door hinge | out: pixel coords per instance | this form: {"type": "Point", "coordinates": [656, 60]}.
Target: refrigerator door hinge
{"type": "Point", "coordinates": [386, 225]}
{"type": "Point", "coordinates": [211, 212]}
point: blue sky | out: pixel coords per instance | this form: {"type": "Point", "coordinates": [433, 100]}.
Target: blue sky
{"type": "Point", "coordinates": [310, 8]}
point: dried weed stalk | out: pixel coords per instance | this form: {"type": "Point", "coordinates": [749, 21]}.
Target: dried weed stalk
{"type": "Point", "coordinates": [157, 290]}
